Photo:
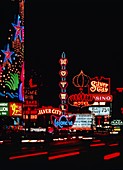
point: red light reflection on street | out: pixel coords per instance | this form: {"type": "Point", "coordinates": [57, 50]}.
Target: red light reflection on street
{"type": "Point", "coordinates": [96, 140]}
{"type": "Point", "coordinates": [112, 155]}
{"type": "Point", "coordinates": [97, 144]}
{"type": "Point", "coordinates": [27, 155]}
{"type": "Point", "coordinates": [114, 144]}
{"type": "Point", "coordinates": [63, 155]}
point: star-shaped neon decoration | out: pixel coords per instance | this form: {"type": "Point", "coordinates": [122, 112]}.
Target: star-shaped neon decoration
{"type": "Point", "coordinates": [18, 29]}
{"type": "Point", "coordinates": [8, 54]}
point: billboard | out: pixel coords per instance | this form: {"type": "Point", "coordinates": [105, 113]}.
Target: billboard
{"type": "Point", "coordinates": [83, 121]}
{"type": "Point", "coordinates": [15, 109]}
{"type": "Point", "coordinates": [4, 109]}
{"type": "Point", "coordinates": [102, 111]}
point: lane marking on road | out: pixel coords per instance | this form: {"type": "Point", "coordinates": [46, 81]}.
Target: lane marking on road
{"type": "Point", "coordinates": [97, 144]}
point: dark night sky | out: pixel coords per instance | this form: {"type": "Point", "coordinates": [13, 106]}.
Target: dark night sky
{"type": "Point", "coordinates": [90, 35]}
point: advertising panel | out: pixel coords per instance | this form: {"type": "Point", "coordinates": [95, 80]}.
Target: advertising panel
{"type": "Point", "coordinates": [4, 109]}
{"type": "Point", "coordinates": [100, 110]}
{"type": "Point", "coordinates": [15, 109]}
{"type": "Point", "coordinates": [83, 121]}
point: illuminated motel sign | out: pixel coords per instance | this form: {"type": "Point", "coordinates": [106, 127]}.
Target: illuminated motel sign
{"type": "Point", "coordinates": [63, 83]}
{"type": "Point", "coordinates": [81, 99]}
{"type": "Point", "coordinates": [99, 88]}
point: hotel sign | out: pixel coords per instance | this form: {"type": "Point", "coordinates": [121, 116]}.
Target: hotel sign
{"type": "Point", "coordinates": [63, 83]}
{"type": "Point", "coordinates": [81, 99]}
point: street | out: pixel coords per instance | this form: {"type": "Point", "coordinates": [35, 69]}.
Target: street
{"type": "Point", "coordinates": [99, 153]}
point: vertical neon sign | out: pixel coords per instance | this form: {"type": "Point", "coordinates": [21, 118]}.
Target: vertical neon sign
{"type": "Point", "coordinates": [63, 83]}
{"type": "Point", "coordinates": [12, 61]}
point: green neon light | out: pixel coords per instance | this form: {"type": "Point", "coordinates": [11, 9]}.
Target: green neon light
{"type": "Point", "coordinates": [13, 82]}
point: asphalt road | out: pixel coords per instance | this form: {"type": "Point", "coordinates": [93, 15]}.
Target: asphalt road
{"type": "Point", "coordinates": [100, 153]}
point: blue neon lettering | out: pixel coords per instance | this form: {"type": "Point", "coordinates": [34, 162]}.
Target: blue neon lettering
{"type": "Point", "coordinates": [62, 123]}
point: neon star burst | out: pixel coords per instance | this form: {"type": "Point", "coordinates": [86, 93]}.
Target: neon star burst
{"type": "Point", "coordinates": [18, 29]}
{"type": "Point", "coordinates": [8, 54]}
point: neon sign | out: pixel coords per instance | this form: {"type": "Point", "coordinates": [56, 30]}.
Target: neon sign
{"type": "Point", "coordinates": [116, 122]}
{"type": "Point", "coordinates": [4, 109]}
{"type": "Point", "coordinates": [15, 109]}
{"type": "Point", "coordinates": [63, 61]}
{"type": "Point", "coordinates": [63, 107]}
{"type": "Point", "coordinates": [101, 85]}
{"type": "Point", "coordinates": [63, 121]}
{"type": "Point", "coordinates": [63, 96]}
{"type": "Point", "coordinates": [81, 80]}
{"type": "Point", "coordinates": [49, 110]}
{"type": "Point", "coordinates": [63, 84]}
{"type": "Point", "coordinates": [81, 99]}
{"type": "Point", "coordinates": [119, 89]}
{"type": "Point", "coordinates": [103, 98]}
{"type": "Point", "coordinates": [11, 63]}
{"type": "Point", "coordinates": [18, 29]}
{"type": "Point", "coordinates": [31, 83]}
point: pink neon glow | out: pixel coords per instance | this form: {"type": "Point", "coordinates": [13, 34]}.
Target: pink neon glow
{"type": "Point", "coordinates": [27, 155]}
{"type": "Point", "coordinates": [97, 144]}
{"type": "Point", "coordinates": [63, 155]}
{"type": "Point", "coordinates": [112, 155]}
